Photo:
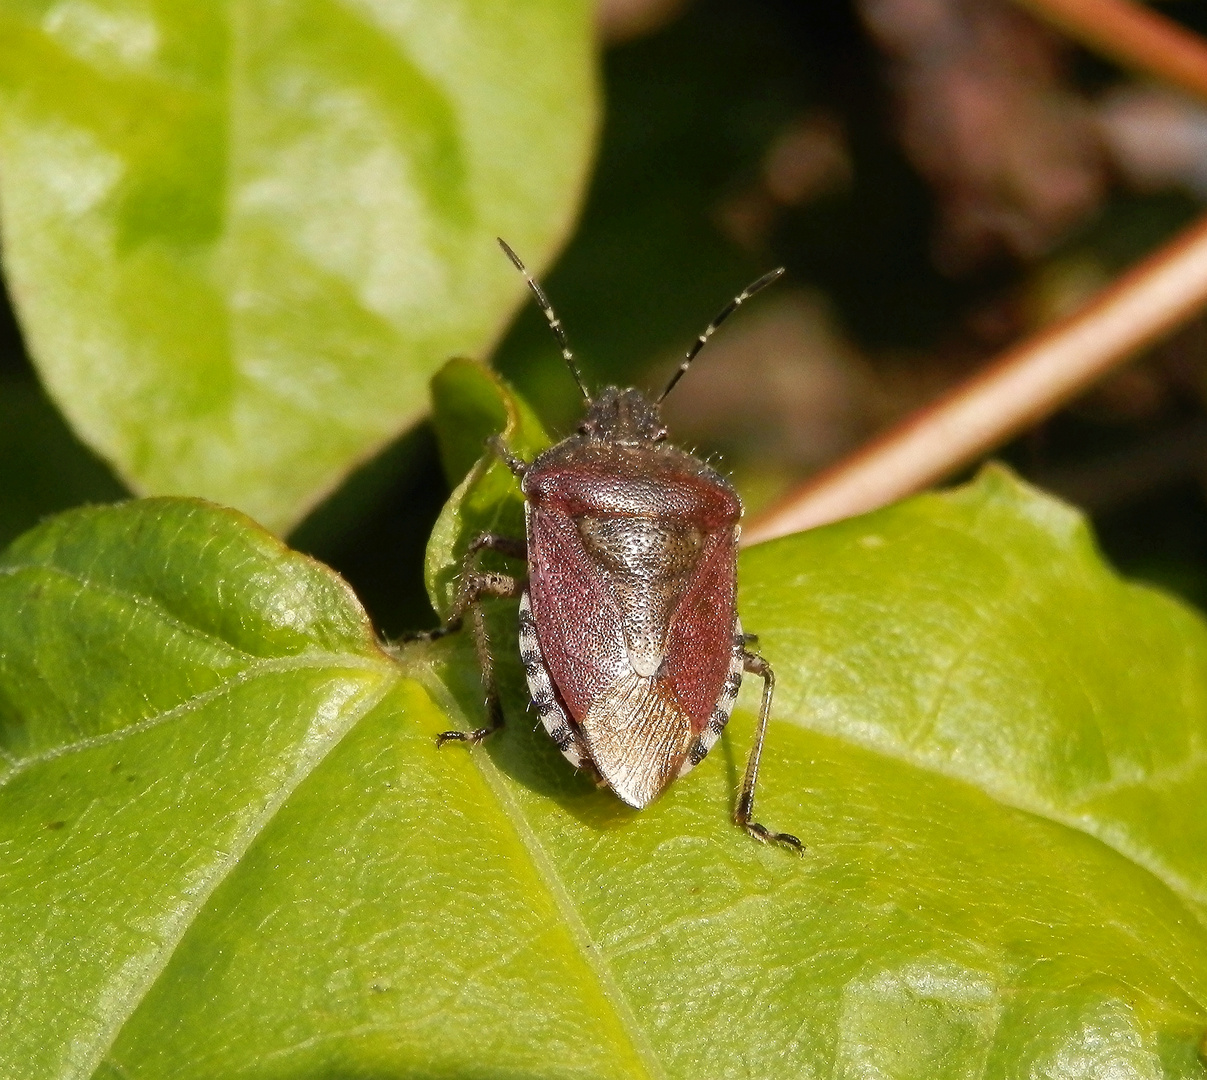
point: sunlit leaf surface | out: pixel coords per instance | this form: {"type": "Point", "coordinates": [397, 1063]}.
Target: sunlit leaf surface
{"type": "Point", "coordinates": [240, 239]}
{"type": "Point", "coordinates": [229, 846]}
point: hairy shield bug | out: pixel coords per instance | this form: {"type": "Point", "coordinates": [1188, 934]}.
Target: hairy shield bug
{"type": "Point", "coordinates": [629, 630]}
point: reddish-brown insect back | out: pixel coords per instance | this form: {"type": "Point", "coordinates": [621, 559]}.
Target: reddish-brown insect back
{"type": "Point", "coordinates": [629, 632]}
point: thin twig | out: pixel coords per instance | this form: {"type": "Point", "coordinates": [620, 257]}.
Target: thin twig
{"type": "Point", "coordinates": [1132, 35]}
{"type": "Point", "coordinates": [1025, 384]}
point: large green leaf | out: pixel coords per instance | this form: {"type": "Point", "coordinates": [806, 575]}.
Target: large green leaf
{"type": "Point", "coordinates": [982, 637]}
{"type": "Point", "coordinates": [240, 239]}
{"type": "Point", "coordinates": [232, 848]}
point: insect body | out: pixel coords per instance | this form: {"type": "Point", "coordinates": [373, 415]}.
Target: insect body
{"type": "Point", "coordinates": [629, 632]}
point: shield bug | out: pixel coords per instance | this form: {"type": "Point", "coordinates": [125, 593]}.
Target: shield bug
{"type": "Point", "coordinates": [629, 631]}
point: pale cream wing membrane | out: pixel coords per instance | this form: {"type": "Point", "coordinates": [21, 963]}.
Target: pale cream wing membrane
{"type": "Point", "coordinates": [638, 737]}
{"type": "Point", "coordinates": [636, 732]}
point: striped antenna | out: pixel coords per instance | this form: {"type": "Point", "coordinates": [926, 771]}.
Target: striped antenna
{"type": "Point", "coordinates": [555, 324]}
{"type": "Point", "coordinates": [711, 328]}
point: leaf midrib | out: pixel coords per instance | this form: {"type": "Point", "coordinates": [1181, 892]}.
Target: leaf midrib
{"type": "Point", "coordinates": [540, 863]}
{"type": "Point", "coordinates": [407, 665]}
{"type": "Point", "coordinates": [137, 600]}
{"type": "Point", "coordinates": [592, 956]}
{"type": "Point", "coordinates": [86, 1062]}
{"type": "Point", "coordinates": [273, 665]}
{"type": "Point", "coordinates": [307, 764]}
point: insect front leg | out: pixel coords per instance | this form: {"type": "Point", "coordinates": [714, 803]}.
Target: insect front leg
{"type": "Point", "coordinates": [517, 465]}
{"type": "Point", "coordinates": [476, 586]}
{"type": "Point", "coordinates": [504, 545]}
{"type": "Point", "coordinates": [744, 813]}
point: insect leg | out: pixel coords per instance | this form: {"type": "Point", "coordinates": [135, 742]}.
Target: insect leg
{"type": "Point", "coordinates": [515, 464]}
{"type": "Point", "coordinates": [504, 545]}
{"type": "Point", "coordinates": [474, 588]}
{"type": "Point", "coordinates": [743, 815]}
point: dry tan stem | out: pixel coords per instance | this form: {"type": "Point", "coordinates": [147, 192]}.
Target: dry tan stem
{"type": "Point", "coordinates": [1133, 36]}
{"type": "Point", "coordinates": [1024, 385]}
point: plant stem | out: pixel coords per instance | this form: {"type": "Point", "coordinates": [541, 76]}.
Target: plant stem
{"type": "Point", "coordinates": [1025, 384]}
{"type": "Point", "coordinates": [1132, 35]}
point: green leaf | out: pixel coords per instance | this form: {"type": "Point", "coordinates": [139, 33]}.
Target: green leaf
{"type": "Point", "coordinates": [471, 404]}
{"type": "Point", "coordinates": [983, 638]}
{"type": "Point", "coordinates": [168, 675]}
{"type": "Point", "coordinates": [240, 241]}
{"type": "Point", "coordinates": [232, 848]}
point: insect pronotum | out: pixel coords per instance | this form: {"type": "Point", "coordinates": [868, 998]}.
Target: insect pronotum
{"type": "Point", "coordinates": [629, 630]}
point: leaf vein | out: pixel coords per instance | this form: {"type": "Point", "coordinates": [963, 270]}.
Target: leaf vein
{"type": "Point", "coordinates": [124, 1008]}
{"type": "Point", "coordinates": [275, 665]}
{"type": "Point", "coordinates": [137, 600]}
{"type": "Point", "coordinates": [592, 956]}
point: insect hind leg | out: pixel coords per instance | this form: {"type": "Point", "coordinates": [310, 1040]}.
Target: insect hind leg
{"type": "Point", "coordinates": [517, 465]}
{"type": "Point", "coordinates": [475, 587]}
{"type": "Point", "coordinates": [743, 814]}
